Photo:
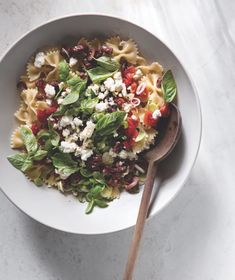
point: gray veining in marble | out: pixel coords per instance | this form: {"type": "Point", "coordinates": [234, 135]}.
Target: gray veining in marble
{"type": "Point", "coordinates": [194, 238]}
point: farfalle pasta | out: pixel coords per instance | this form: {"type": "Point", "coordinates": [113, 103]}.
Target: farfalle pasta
{"type": "Point", "coordinates": [87, 114]}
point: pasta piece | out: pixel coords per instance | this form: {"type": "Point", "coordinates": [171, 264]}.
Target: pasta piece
{"type": "Point", "coordinates": [16, 140]}
{"type": "Point", "coordinates": [26, 80]}
{"type": "Point", "coordinates": [41, 105]}
{"type": "Point", "coordinates": [154, 67]}
{"type": "Point", "coordinates": [95, 43]}
{"type": "Point", "coordinates": [83, 41]}
{"type": "Point", "coordinates": [145, 142]}
{"type": "Point", "coordinates": [123, 49]}
{"type": "Point", "coordinates": [156, 95]}
{"type": "Point", "coordinates": [25, 115]}
{"type": "Point", "coordinates": [140, 60]}
{"type": "Point", "coordinates": [53, 59]}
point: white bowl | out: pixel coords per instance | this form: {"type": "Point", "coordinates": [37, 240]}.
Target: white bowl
{"type": "Point", "coordinates": [47, 205]}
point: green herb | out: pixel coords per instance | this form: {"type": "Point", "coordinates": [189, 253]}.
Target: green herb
{"type": "Point", "coordinates": [100, 203]}
{"type": "Point", "coordinates": [90, 206]}
{"type": "Point", "coordinates": [77, 86]}
{"type": "Point", "coordinates": [109, 123]}
{"type": "Point", "coordinates": [88, 105]}
{"type": "Point", "coordinates": [85, 173]}
{"type": "Point", "coordinates": [168, 86]}
{"type": "Point", "coordinates": [60, 111]}
{"type": "Point", "coordinates": [29, 140]}
{"type": "Point", "coordinates": [99, 74]}
{"type": "Point", "coordinates": [99, 177]}
{"type": "Point", "coordinates": [39, 155]}
{"type": "Point", "coordinates": [63, 68]}
{"type": "Point", "coordinates": [108, 63]}
{"type": "Point", "coordinates": [64, 163]}
{"type": "Point", "coordinates": [20, 161]}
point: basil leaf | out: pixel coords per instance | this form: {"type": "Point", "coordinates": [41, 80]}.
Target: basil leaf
{"type": "Point", "coordinates": [109, 123]}
{"type": "Point", "coordinates": [108, 63]}
{"type": "Point", "coordinates": [77, 88]}
{"type": "Point", "coordinates": [85, 173]}
{"type": "Point", "coordinates": [64, 163]}
{"type": "Point", "coordinates": [95, 191]}
{"type": "Point", "coordinates": [20, 161]}
{"type": "Point", "coordinates": [29, 139]}
{"type": "Point", "coordinates": [99, 74]}
{"type": "Point", "coordinates": [60, 111]}
{"type": "Point", "coordinates": [100, 203]}
{"type": "Point", "coordinates": [39, 155]}
{"type": "Point", "coordinates": [71, 98]}
{"type": "Point", "coordinates": [168, 86]}
{"type": "Point", "coordinates": [43, 133]}
{"type": "Point", "coordinates": [55, 138]}
{"type": "Point", "coordinates": [63, 68]}
{"type": "Point", "coordinates": [90, 207]}
{"type": "Point", "coordinates": [88, 105]}
{"type": "Point", "coordinates": [99, 177]}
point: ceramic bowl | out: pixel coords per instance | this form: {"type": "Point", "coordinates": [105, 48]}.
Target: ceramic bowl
{"type": "Point", "coordinates": [65, 213]}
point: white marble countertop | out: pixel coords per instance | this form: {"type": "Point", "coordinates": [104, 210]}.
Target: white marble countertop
{"type": "Point", "coordinates": [194, 238]}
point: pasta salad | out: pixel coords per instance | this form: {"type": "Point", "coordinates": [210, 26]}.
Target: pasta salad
{"type": "Point", "coordinates": [87, 113]}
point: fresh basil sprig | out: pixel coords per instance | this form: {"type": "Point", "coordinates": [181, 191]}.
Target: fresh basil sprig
{"type": "Point", "coordinates": [168, 86]}
{"type": "Point", "coordinates": [64, 163]}
{"type": "Point", "coordinates": [99, 74]}
{"type": "Point", "coordinates": [63, 69]}
{"type": "Point", "coordinates": [109, 123]}
{"type": "Point", "coordinates": [108, 63]}
{"type": "Point", "coordinates": [24, 161]}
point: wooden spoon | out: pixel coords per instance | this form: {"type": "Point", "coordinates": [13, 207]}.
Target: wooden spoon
{"type": "Point", "coordinates": [164, 146]}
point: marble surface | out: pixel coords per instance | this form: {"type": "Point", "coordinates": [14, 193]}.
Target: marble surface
{"type": "Point", "coordinates": [194, 238]}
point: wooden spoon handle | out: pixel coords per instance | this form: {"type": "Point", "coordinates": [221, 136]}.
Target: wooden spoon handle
{"type": "Point", "coordinates": [139, 227]}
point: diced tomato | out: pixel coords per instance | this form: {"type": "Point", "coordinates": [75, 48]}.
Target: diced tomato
{"type": "Point", "coordinates": [165, 111]}
{"type": "Point", "coordinates": [131, 130]}
{"type": "Point", "coordinates": [130, 69]}
{"type": "Point", "coordinates": [128, 144]}
{"type": "Point", "coordinates": [43, 114]}
{"type": "Point", "coordinates": [149, 120]}
{"type": "Point", "coordinates": [128, 74]}
{"type": "Point", "coordinates": [133, 87]}
{"type": "Point", "coordinates": [35, 128]}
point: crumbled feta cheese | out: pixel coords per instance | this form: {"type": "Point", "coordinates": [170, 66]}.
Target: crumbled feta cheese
{"type": "Point", "coordinates": [115, 134]}
{"type": "Point", "coordinates": [67, 147]}
{"type": "Point", "coordinates": [102, 95]}
{"type": "Point", "coordinates": [138, 74]}
{"type": "Point", "coordinates": [94, 87]}
{"type": "Point", "coordinates": [49, 102]}
{"type": "Point", "coordinates": [118, 85]}
{"type": "Point", "coordinates": [66, 132]}
{"type": "Point", "coordinates": [134, 117]}
{"type": "Point", "coordinates": [50, 91]}
{"type": "Point", "coordinates": [72, 61]}
{"type": "Point", "coordinates": [100, 107]}
{"type": "Point", "coordinates": [55, 125]}
{"type": "Point", "coordinates": [109, 84]}
{"type": "Point", "coordinates": [85, 154]}
{"type": "Point", "coordinates": [60, 100]}
{"type": "Point", "coordinates": [117, 76]}
{"type": "Point", "coordinates": [77, 121]}
{"type": "Point", "coordinates": [87, 131]}
{"type": "Point", "coordinates": [102, 88]}
{"type": "Point", "coordinates": [156, 114]}
{"type": "Point", "coordinates": [65, 121]}
{"type": "Point", "coordinates": [39, 60]}
{"type": "Point", "coordinates": [64, 93]}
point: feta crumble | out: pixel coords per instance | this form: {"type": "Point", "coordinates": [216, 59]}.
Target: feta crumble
{"type": "Point", "coordinates": [39, 60]}
{"type": "Point", "coordinates": [50, 91]}
{"type": "Point", "coordinates": [67, 147]}
{"type": "Point", "coordinates": [66, 132]}
{"type": "Point", "coordinates": [72, 61]}
{"type": "Point", "coordinates": [85, 154]}
{"type": "Point", "coordinates": [66, 121]}
{"type": "Point", "coordinates": [156, 114]}
{"type": "Point", "coordinates": [102, 106]}
{"type": "Point", "coordinates": [87, 131]}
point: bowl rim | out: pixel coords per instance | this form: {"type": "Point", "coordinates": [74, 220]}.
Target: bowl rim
{"type": "Point", "coordinates": [110, 16]}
